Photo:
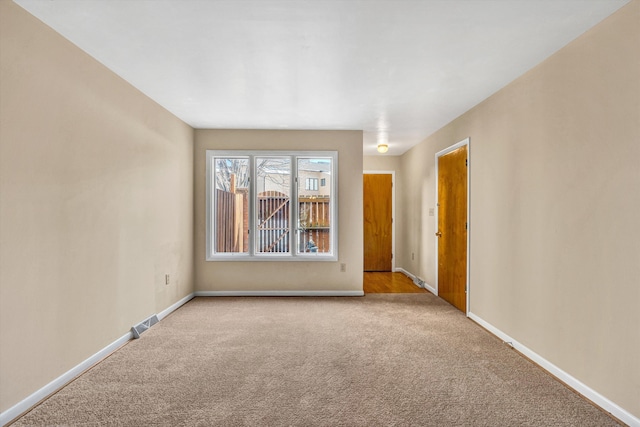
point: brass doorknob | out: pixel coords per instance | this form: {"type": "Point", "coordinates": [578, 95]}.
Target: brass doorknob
{"type": "Point", "coordinates": [439, 234]}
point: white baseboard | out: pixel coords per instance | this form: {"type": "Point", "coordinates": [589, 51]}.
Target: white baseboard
{"type": "Point", "coordinates": [32, 400]}
{"type": "Point", "coordinates": [164, 313]}
{"type": "Point", "coordinates": [55, 385]}
{"type": "Point", "coordinates": [592, 395]}
{"type": "Point", "coordinates": [413, 277]}
{"type": "Point", "coordinates": [430, 288]}
{"type": "Point", "coordinates": [405, 272]}
{"type": "Point", "coordinates": [279, 293]}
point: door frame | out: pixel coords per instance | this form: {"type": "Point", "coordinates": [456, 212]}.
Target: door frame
{"type": "Point", "coordinates": [393, 211]}
{"type": "Point", "coordinates": [467, 142]}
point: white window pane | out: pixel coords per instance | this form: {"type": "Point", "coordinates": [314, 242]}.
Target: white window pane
{"type": "Point", "coordinates": [314, 205]}
{"type": "Point", "coordinates": [273, 204]}
{"type": "Point", "coordinates": [231, 211]}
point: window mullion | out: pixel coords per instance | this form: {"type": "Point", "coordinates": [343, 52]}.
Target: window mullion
{"type": "Point", "coordinates": [294, 206]}
{"type": "Point", "coordinates": [252, 206]}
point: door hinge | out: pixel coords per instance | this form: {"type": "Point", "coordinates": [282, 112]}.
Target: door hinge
{"type": "Point", "coordinates": [466, 162]}
{"type": "Point", "coordinates": [466, 225]}
{"type": "Point", "coordinates": [391, 256]}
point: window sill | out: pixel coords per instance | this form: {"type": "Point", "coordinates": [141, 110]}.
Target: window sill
{"type": "Point", "coordinates": [309, 257]}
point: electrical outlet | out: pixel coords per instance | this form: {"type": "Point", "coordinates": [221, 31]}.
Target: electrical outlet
{"type": "Point", "coordinates": [167, 279]}
{"type": "Point", "coordinates": [343, 267]}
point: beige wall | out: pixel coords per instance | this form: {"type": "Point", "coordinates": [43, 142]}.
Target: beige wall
{"type": "Point", "coordinates": [294, 275]}
{"type": "Point", "coordinates": [96, 205]}
{"type": "Point", "coordinates": [555, 202]}
{"type": "Point", "coordinates": [381, 163]}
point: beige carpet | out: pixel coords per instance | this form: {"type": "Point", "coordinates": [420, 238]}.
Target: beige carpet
{"type": "Point", "coordinates": [387, 359]}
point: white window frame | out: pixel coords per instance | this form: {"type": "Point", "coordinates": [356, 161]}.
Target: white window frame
{"type": "Point", "coordinates": [311, 184]}
{"type": "Point", "coordinates": [252, 254]}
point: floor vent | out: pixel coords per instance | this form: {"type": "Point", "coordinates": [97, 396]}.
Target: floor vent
{"type": "Point", "coordinates": [143, 326]}
{"type": "Point", "coordinates": [419, 282]}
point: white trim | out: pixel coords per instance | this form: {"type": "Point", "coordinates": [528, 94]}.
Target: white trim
{"type": "Point", "coordinates": [405, 272]}
{"type": "Point", "coordinates": [279, 293]}
{"type": "Point", "coordinates": [393, 211]}
{"type": "Point", "coordinates": [173, 307]}
{"type": "Point", "coordinates": [32, 400]}
{"type": "Point", "coordinates": [412, 277]}
{"type": "Point", "coordinates": [590, 394]}
{"type": "Point", "coordinates": [35, 398]}
{"type": "Point", "coordinates": [440, 154]}
{"type": "Point", "coordinates": [430, 288]}
{"type": "Point", "coordinates": [209, 200]}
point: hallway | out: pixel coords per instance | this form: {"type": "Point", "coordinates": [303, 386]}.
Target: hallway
{"type": "Point", "coordinates": [389, 283]}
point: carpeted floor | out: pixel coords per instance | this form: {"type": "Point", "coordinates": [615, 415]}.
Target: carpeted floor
{"type": "Point", "coordinates": [385, 359]}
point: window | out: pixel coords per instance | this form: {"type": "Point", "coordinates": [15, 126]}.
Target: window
{"type": "Point", "coordinates": [311, 184]}
{"type": "Point", "coordinates": [267, 205]}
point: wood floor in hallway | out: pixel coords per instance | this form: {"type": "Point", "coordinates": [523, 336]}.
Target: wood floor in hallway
{"type": "Point", "coordinates": [389, 283]}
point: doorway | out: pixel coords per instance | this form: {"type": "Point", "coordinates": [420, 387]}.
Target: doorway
{"type": "Point", "coordinates": [378, 210]}
{"type": "Point", "coordinates": [389, 283]}
{"type": "Point", "coordinates": [452, 225]}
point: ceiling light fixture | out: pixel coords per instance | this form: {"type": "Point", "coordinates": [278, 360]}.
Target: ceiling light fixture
{"type": "Point", "coordinates": [383, 148]}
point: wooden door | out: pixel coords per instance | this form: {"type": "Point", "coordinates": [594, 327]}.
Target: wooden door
{"type": "Point", "coordinates": [452, 227]}
{"type": "Point", "coordinates": [377, 222]}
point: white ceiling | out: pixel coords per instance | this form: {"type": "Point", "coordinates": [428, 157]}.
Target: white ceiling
{"type": "Point", "coordinates": [397, 69]}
